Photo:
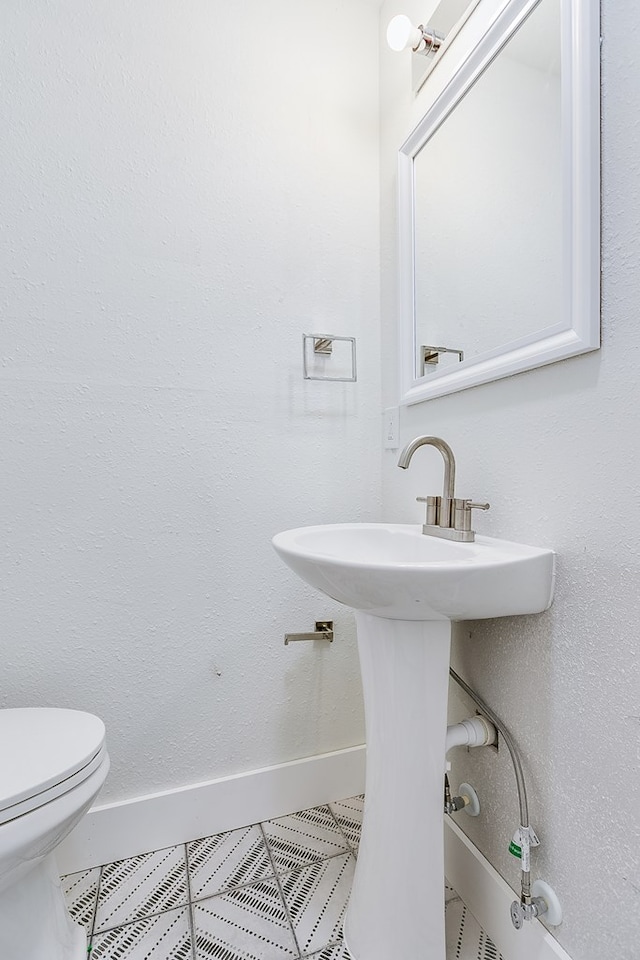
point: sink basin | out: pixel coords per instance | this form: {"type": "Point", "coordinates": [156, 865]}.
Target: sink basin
{"type": "Point", "coordinates": [393, 570]}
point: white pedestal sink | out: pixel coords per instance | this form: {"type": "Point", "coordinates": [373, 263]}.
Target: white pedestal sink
{"type": "Point", "coordinates": [406, 589]}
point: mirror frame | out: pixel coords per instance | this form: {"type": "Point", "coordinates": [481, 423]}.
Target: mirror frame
{"type": "Point", "coordinates": [579, 331]}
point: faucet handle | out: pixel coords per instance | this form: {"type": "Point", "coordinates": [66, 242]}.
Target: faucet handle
{"type": "Point", "coordinates": [462, 512]}
{"type": "Point", "coordinates": [433, 509]}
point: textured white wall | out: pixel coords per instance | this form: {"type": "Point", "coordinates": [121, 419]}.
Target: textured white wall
{"type": "Point", "coordinates": [186, 188]}
{"type": "Point", "coordinates": [557, 453]}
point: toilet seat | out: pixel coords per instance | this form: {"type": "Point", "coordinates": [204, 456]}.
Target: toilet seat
{"type": "Point", "coordinates": [44, 752]}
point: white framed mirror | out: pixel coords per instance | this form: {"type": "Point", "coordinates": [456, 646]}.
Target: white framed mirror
{"type": "Point", "coordinates": [499, 206]}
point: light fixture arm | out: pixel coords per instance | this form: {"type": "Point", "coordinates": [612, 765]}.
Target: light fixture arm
{"type": "Point", "coordinates": [430, 41]}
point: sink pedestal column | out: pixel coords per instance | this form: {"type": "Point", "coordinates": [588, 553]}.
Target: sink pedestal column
{"type": "Point", "coordinates": [396, 909]}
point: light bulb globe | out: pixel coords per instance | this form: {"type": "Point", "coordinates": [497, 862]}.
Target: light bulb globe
{"type": "Point", "coordinates": [399, 32]}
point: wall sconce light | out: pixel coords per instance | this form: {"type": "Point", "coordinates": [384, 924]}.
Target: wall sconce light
{"type": "Point", "coordinates": [402, 34]}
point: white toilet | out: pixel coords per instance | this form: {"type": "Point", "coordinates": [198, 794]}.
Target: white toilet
{"type": "Point", "coordinates": [52, 765]}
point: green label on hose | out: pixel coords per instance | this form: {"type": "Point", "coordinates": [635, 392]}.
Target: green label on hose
{"type": "Point", "coordinates": [515, 850]}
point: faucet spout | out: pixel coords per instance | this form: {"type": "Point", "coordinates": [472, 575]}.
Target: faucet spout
{"type": "Point", "coordinates": [447, 455]}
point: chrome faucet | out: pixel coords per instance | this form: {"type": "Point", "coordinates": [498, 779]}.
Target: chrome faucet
{"type": "Point", "coordinates": [447, 516]}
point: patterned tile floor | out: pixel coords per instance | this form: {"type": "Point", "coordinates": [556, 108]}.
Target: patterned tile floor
{"type": "Point", "coordinates": [272, 891]}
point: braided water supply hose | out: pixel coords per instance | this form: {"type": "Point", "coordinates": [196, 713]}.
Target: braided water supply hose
{"type": "Point", "coordinates": [525, 879]}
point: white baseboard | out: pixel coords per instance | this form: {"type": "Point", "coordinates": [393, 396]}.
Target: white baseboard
{"type": "Point", "coordinates": [489, 899]}
{"type": "Point", "coordinates": [119, 830]}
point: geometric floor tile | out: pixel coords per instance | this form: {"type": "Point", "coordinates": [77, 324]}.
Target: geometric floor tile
{"type": "Point", "coordinates": [218, 899]}
{"type": "Point", "coordinates": [141, 886]}
{"type": "Point", "coordinates": [81, 892]}
{"type": "Point", "coordinates": [227, 860]}
{"type": "Point", "coordinates": [166, 936]}
{"type": "Point", "coordinates": [336, 952]}
{"type": "Point", "coordinates": [249, 923]}
{"type": "Point", "coordinates": [349, 813]}
{"type": "Point", "coordinates": [466, 940]}
{"type": "Point", "coordinates": [304, 837]}
{"type": "Point", "coordinates": [449, 892]}
{"type": "Point", "coordinates": [317, 897]}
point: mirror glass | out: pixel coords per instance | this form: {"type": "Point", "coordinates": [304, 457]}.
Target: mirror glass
{"type": "Point", "coordinates": [481, 271]}
{"type": "Point", "coordinates": [499, 211]}
{"type": "Point", "coordinates": [446, 18]}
